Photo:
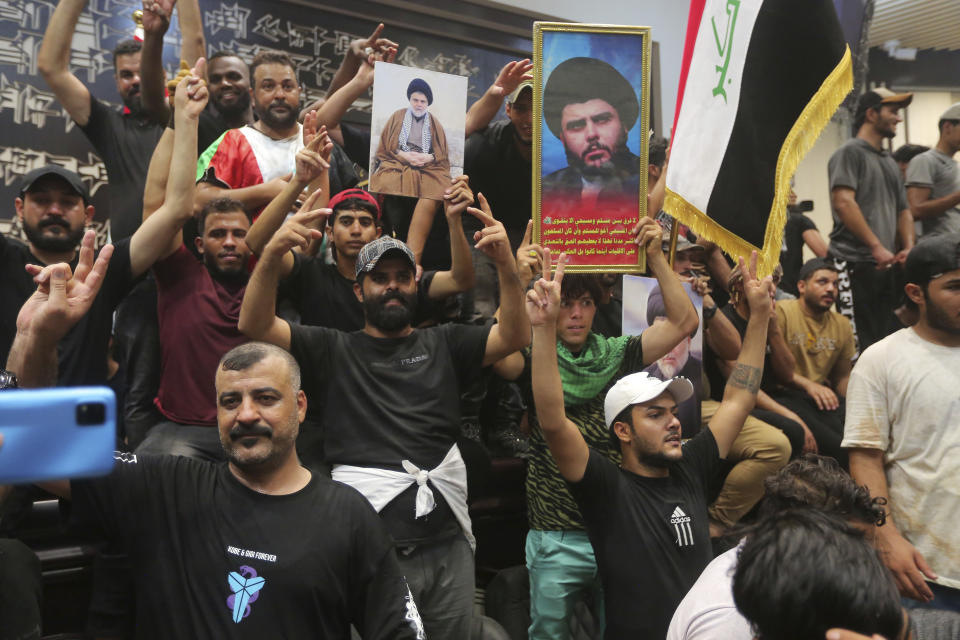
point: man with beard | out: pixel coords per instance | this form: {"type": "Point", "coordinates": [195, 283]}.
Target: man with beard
{"type": "Point", "coordinates": [228, 78]}
{"type": "Point", "coordinates": [872, 225]}
{"type": "Point", "coordinates": [123, 139]}
{"type": "Point", "coordinates": [252, 165]}
{"type": "Point", "coordinates": [646, 519]}
{"type": "Point", "coordinates": [392, 402]}
{"type": "Point", "coordinates": [559, 556]}
{"type": "Point", "coordinates": [933, 179]}
{"type": "Point", "coordinates": [591, 107]}
{"type": "Point", "coordinates": [821, 342]}
{"type": "Point", "coordinates": [412, 159]}
{"type": "Point", "coordinates": [254, 547]}
{"type": "Point", "coordinates": [902, 429]}
{"type": "Point", "coordinates": [53, 207]}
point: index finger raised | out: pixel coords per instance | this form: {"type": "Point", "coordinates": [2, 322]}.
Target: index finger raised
{"type": "Point", "coordinates": [528, 234]}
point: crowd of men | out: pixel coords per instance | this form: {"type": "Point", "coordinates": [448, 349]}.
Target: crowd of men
{"type": "Point", "coordinates": [296, 382]}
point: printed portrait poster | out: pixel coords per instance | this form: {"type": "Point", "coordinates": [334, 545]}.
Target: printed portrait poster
{"type": "Point", "coordinates": [642, 308]}
{"type": "Point", "coordinates": [416, 130]}
{"type": "Point", "coordinates": [591, 136]}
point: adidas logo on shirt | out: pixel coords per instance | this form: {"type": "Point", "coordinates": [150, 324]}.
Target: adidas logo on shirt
{"type": "Point", "coordinates": [681, 527]}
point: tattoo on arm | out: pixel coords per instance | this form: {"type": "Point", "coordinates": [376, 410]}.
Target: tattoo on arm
{"type": "Point", "coordinates": [745, 377]}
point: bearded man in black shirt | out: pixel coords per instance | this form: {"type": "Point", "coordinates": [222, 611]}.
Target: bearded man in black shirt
{"type": "Point", "coordinates": [391, 402]}
{"type": "Point", "coordinates": [647, 520]}
{"type": "Point", "coordinates": [252, 548]}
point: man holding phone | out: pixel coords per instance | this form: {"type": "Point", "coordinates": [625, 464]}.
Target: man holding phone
{"type": "Point", "coordinates": [262, 546]}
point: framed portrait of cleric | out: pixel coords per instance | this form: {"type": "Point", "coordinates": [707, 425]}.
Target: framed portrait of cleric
{"type": "Point", "coordinates": [591, 102]}
{"type": "Point", "coordinates": [416, 130]}
{"type": "Point", "coordinates": [642, 308]}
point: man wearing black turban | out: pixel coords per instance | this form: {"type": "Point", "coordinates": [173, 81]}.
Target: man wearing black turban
{"type": "Point", "coordinates": [590, 107]}
{"type": "Point", "coordinates": [412, 159]}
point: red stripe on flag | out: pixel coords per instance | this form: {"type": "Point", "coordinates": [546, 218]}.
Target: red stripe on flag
{"type": "Point", "coordinates": [693, 27]}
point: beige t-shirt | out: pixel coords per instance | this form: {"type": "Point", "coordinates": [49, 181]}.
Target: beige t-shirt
{"type": "Point", "coordinates": [904, 398]}
{"type": "Point", "coordinates": [817, 345]}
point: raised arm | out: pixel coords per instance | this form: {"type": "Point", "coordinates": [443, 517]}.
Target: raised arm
{"type": "Point", "coordinates": [331, 110]}
{"type": "Point", "coordinates": [845, 204]}
{"type": "Point", "coordinates": [194, 44]}
{"type": "Point", "coordinates": [483, 110]}
{"type": "Point", "coordinates": [161, 232]}
{"type": "Point", "coordinates": [563, 437]}
{"type": "Point", "coordinates": [156, 21]}
{"type": "Point", "coordinates": [53, 61]}
{"type": "Point", "coordinates": [61, 299]}
{"type": "Point", "coordinates": [459, 277]}
{"type": "Point", "coordinates": [512, 331]}
{"type": "Point", "coordinates": [258, 319]}
{"type": "Point", "coordinates": [740, 393]}
{"type": "Point", "coordinates": [358, 53]}
{"type": "Point", "coordinates": [682, 318]}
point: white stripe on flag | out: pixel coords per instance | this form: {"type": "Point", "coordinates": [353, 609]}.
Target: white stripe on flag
{"type": "Point", "coordinates": [706, 117]}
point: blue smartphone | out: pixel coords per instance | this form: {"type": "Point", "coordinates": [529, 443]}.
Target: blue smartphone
{"type": "Point", "coordinates": [61, 432]}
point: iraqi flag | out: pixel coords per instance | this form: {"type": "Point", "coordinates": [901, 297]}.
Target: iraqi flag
{"type": "Point", "coordinates": [760, 79]}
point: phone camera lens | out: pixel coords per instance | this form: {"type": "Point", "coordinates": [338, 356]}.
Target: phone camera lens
{"type": "Point", "coordinates": [91, 413]}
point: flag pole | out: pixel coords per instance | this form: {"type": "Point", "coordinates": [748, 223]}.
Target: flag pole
{"type": "Point", "coordinates": [674, 232]}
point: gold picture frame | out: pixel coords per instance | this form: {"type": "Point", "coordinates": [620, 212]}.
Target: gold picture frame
{"type": "Point", "coordinates": [583, 165]}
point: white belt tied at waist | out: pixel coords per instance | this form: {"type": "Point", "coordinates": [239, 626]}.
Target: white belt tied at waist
{"type": "Point", "coordinates": [381, 486]}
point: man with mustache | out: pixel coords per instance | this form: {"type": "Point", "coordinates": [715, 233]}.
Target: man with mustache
{"type": "Point", "coordinates": [124, 139]}
{"type": "Point", "coordinates": [392, 402]}
{"type": "Point", "coordinates": [253, 164]}
{"type": "Point", "coordinates": [228, 77]}
{"type": "Point", "coordinates": [591, 107]}
{"type": "Point", "coordinates": [254, 547]}
{"type": "Point", "coordinates": [821, 342]}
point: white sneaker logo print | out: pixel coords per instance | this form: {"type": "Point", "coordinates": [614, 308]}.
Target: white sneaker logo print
{"type": "Point", "coordinates": [681, 527]}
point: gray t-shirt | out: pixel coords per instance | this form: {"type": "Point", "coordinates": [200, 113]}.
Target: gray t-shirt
{"type": "Point", "coordinates": [938, 172]}
{"type": "Point", "coordinates": [875, 177]}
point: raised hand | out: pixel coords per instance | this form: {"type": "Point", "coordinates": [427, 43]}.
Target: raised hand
{"type": "Point", "coordinates": [648, 235]}
{"type": "Point", "coordinates": [62, 297]}
{"type": "Point", "coordinates": [760, 293]}
{"type": "Point", "coordinates": [510, 77]}
{"type": "Point", "coordinates": [492, 240]}
{"type": "Point", "coordinates": [156, 16]}
{"type": "Point", "coordinates": [543, 300]}
{"type": "Point", "coordinates": [372, 44]}
{"type": "Point", "coordinates": [298, 230]}
{"type": "Point", "coordinates": [457, 197]}
{"type": "Point", "coordinates": [314, 158]}
{"type": "Point", "coordinates": [529, 258]}
{"type": "Point", "coordinates": [192, 93]}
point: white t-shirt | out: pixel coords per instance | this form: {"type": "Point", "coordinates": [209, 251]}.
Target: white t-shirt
{"type": "Point", "coordinates": [707, 612]}
{"type": "Point", "coordinates": [904, 398]}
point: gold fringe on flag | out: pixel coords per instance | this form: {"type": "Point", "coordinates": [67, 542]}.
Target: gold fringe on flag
{"type": "Point", "coordinates": [801, 138]}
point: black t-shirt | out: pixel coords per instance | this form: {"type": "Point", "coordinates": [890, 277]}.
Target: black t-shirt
{"type": "Point", "coordinates": [83, 351]}
{"type": "Point", "coordinates": [314, 562]}
{"type": "Point", "coordinates": [497, 170]}
{"type": "Point", "coordinates": [125, 143]}
{"type": "Point", "coordinates": [791, 254]}
{"type": "Point", "coordinates": [210, 126]}
{"type": "Point", "coordinates": [356, 144]}
{"type": "Point", "coordinates": [386, 400]}
{"type": "Point", "coordinates": [651, 536]}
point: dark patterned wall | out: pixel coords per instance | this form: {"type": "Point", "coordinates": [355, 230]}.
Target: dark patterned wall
{"type": "Point", "coordinates": [36, 130]}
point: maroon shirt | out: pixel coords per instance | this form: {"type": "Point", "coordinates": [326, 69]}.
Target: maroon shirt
{"type": "Point", "coordinates": [198, 324]}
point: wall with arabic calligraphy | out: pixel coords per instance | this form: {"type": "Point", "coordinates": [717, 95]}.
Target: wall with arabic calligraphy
{"type": "Point", "coordinates": [37, 130]}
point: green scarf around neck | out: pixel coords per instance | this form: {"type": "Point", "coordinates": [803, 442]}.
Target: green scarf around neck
{"type": "Point", "coordinates": [586, 374]}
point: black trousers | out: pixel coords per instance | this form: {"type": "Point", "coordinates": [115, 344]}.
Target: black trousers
{"type": "Point", "coordinates": [827, 426]}
{"type": "Point", "coordinates": [20, 591]}
{"type": "Point", "coordinates": [869, 296]}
